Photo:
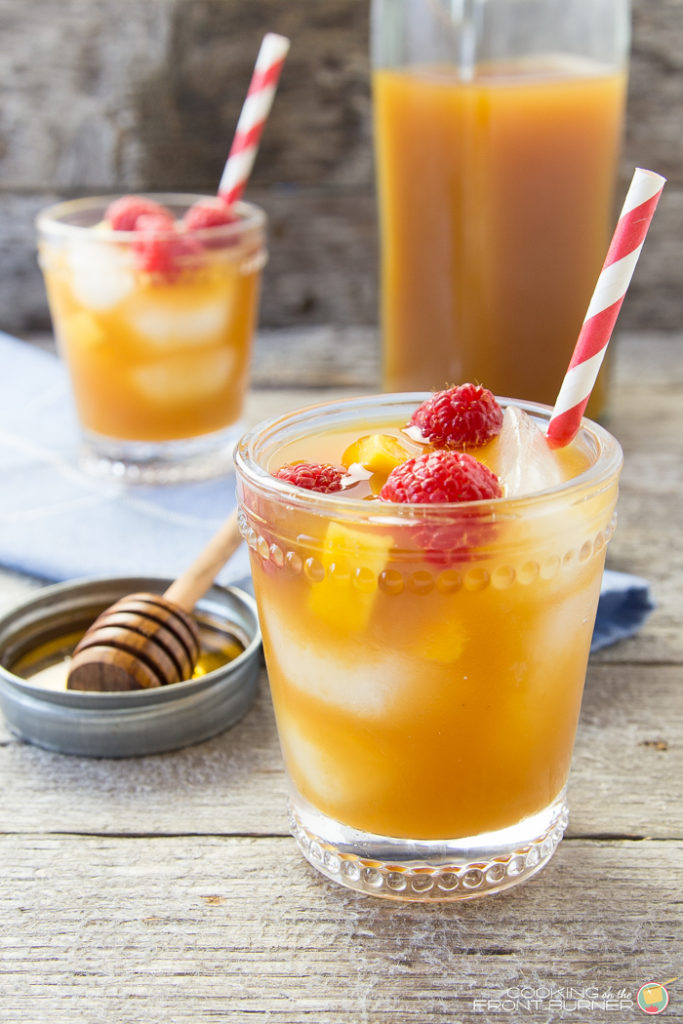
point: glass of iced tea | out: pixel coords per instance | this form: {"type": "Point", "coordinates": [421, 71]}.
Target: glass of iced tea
{"type": "Point", "coordinates": [426, 660]}
{"type": "Point", "coordinates": [154, 301]}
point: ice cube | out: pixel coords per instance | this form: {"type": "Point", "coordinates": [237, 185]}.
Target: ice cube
{"type": "Point", "coordinates": [560, 625]}
{"type": "Point", "coordinates": [311, 763]}
{"type": "Point", "coordinates": [364, 684]}
{"type": "Point", "coordinates": [521, 456]}
{"type": "Point", "coordinates": [165, 324]}
{"type": "Point", "coordinates": [185, 378]}
{"type": "Point", "coordinates": [350, 772]}
{"type": "Point", "coordinates": [101, 277]}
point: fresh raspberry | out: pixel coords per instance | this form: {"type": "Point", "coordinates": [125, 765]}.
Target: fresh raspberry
{"type": "Point", "coordinates": [441, 476]}
{"type": "Point", "coordinates": [444, 476]}
{"type": "Point", "coordinates": [208, 213]}
{"type": "Point", "coordinates": [466, 415]}
{"type": "Point", "coordinates": [155, 224]}
{"type": "Point", "coordinates": [124, 213]}
{"type": "Point", "coordinates": [160, 246]}
{"type": "Point", "coordinates": [313, 476]}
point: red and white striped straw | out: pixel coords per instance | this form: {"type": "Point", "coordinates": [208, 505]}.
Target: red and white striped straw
{"type": "Point", "coordinates": [615, 277]}
{"type": "Point", "coordinates": [253, 116]}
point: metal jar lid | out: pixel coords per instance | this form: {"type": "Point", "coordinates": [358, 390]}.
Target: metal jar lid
{"type": "Point", "coordinates": [138, 721]}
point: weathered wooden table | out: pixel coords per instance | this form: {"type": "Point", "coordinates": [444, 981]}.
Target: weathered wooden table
{"type": "Point", "coordinates": [167, 888]}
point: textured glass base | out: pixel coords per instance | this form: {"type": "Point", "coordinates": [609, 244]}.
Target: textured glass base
{"type": "Point", "coordinates": [160, 462]}
{"type": "Point", "coordinates": [428, 870]}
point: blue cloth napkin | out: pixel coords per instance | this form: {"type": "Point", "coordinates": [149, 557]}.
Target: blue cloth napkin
{"type": "Point", "coordinates": [58, 523]}
{"type": "Point", "coordinates": [625, 603]}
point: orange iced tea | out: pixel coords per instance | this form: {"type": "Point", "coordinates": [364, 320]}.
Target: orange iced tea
{"type": "Point", "coordinates": [155, 328]}
{"type": "Point", "coordinates": [496, 209]}
{"type": "Point", "coordinates": [426, 663]}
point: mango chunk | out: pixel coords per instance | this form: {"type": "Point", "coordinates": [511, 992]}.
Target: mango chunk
{"type": "Point", "coordinates": [83, 330]}
{"type": "Point", "coordinates": [442, 643]}
{"type": "Point", "coordinates": [378, 453]}
{"type": "Point", "coordinates": [352, 560]}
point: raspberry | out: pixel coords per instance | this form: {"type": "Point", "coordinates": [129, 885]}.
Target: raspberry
{"type": "Point", "coordinates": [445, 476]}
{"type": "Point", "coordinates": [313, 476]}
{"type": "Point", "coordinates": [155, 224]}
{"type": "Point", "coordinates": [441, 476]}
{"type": "Point", "coordinates": [208, 213]}
{"type": "Point", "coordinates": [160, 247]}
{"type": "Point", "coordinates": [123, 213]}
{"type": "Point", "coordinates": [466, 415]}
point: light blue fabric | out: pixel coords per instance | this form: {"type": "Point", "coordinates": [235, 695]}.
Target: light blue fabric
{"type": "Point", "coordinates": [58, 523]}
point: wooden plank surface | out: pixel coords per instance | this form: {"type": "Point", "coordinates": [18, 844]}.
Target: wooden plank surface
{"type": "Point", "coordinates": [208, 928]}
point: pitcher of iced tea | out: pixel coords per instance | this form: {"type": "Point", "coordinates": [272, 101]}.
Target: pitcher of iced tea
{"type": "Point", "coordinates": [497, 134]}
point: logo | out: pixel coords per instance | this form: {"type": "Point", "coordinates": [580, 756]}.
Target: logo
{"type": "Point", "coordinates": [652, 998]}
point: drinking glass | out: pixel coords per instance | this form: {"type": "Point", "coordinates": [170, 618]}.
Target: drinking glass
{"type": "Point", "coordinates": [426, 663]}
{"type": "Point", "coordinates": [157, 341]}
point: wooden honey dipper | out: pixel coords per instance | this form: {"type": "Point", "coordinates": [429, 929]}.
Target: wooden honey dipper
{"type": "Point", "coordinates": [149, 640]}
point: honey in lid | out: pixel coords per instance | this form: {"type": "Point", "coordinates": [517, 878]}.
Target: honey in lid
{"type": "Point", "coordinates": [37, 637]}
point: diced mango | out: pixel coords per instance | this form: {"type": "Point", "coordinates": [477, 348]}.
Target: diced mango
{"type": "Point", "coordinates": [442, 643]}
{"type": "Point", "coordinates": [378, 453]}
{"type": "Point", "coordinates": [83, 330]}
{"type": "Point", "coordinates": [353, 560]}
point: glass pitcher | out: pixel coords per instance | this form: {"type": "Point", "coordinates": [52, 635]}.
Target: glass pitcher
{"type": "Point", "coordinates": [497, 130]}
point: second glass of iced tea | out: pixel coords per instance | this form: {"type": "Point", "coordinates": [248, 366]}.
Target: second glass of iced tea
{"type": "Point", "coordinates": [426, 662]}
{"type": "Point", "coordinates": [156, 330]}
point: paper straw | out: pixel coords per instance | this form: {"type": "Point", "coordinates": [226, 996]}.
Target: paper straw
{"type": "Point", "coordinates": [615, 277]}
{"type": "Point", "coordinates": [259, 100]}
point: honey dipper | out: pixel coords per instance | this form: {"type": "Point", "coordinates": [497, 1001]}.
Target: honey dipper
{"type": "Point", "coordinates": [149, 640]}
